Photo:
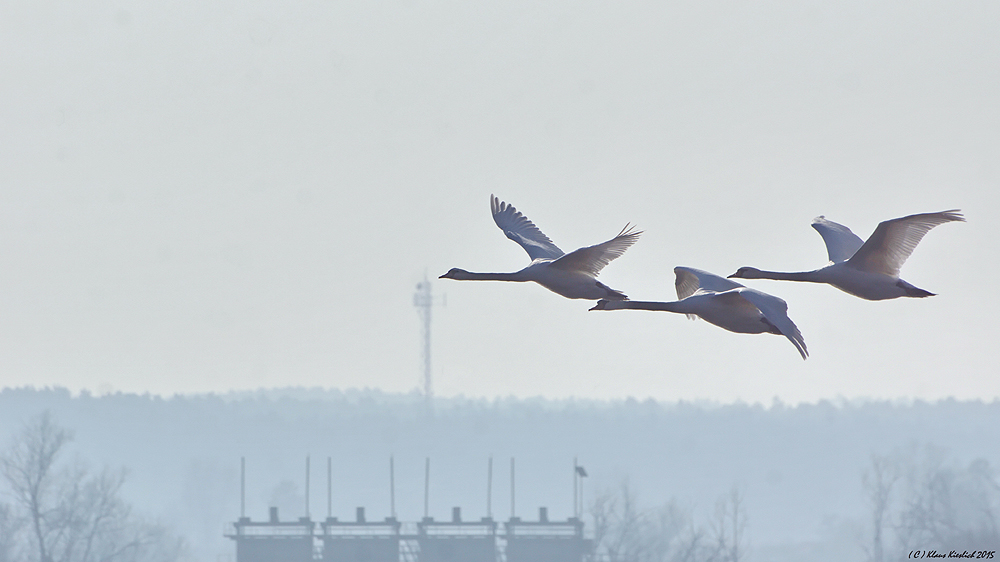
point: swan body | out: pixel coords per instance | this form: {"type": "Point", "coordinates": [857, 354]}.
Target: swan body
{"type": "Point", "coordinates": [866, 269]}
{"type": "Point", "coordinates": [724, 303]}
{"type": "Point", "coordinates": [572, 275]}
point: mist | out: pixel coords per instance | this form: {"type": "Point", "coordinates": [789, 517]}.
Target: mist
{"type": "Point", "coordinates": [213, 217]}
{"type": "Point", "coordinates": [800, 471]}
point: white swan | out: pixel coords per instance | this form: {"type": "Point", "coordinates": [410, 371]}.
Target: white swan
{"type": "Point", "coordinates": [572, 275]}
{"type": "Point", "coordinates": [725, 303]}
{"type": "Point", "coordinates": [869, 269]}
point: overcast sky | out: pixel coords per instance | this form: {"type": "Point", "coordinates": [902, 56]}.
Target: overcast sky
{"type": "Point", "coordinates": [203, 196]}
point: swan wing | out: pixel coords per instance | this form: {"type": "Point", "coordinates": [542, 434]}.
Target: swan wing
{"type": "Point", "coordinates": [841, 243]}
{"type": "Point", "coordinates": [689, 280]}
{"type": "Point", "coordinates": [592, 259]}
{"type": "Point", "coordinates": [518, 228]}
{"type": "Point", "coordinates": [893, 241]}
{"type": "Point", "coordinates": [776, 312]}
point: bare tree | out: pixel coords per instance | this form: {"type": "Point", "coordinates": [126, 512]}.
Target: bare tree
{"type": "Point", "coordinates": [601, 509]}
{"type": "Point", "coordinates": [927, 512]}
{"type": "Point", "coordinates": [10, 526]}
{"type": "Point", "coordinates": [952, 507]}
{"type": "Point", "coordinates": [27, 467]}
{"type": "Point", "coordinates": [922, 502]}
{"type": "Point", "coordinates": [625, 532]}
{"type": "Point", "coordinates": [620, 525]}
{"type": "Point", "coordinates": [878, 482]}
{"type": "Point", "coordinates": [729, 527]}
{"type": "Point", "coordinates": [679, 539]}
{"type": "Point", "coordinates": [979, 504]}
{"type": "Point", "coordinates": [71, 515]}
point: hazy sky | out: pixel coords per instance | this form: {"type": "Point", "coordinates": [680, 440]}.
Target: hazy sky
{"type": "Point", "coordinates": [202, 196]}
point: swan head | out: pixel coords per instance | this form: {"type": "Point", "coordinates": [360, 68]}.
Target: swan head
{"type": "Point", "coordinates": [601, 305]}
{"type": "Point", "coordinates": [746, 273]}
{"type": "Point", "coordinates": [455, 273]}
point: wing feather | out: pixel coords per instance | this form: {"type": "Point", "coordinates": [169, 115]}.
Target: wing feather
{"type": "Point", "coordinates": [592, 259]}
{"type": "Point", "coordinates": [841, 243]}
{"type": "Point", "coordinates": [690, 280]}
{"type": "Point", "coordinates": [893, 241]}
{"type": "Point", "coordinates": [518, 228]}
{"type": "Point", "coordinates": [776, 312]}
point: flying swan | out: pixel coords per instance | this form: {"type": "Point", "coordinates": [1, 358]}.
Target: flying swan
{"type": "Point", "coordinates": [572, 275]}
{"type": "Point", "coordinates": [869, 269]}
{"type": "Point", "coordinates": [725, 303]}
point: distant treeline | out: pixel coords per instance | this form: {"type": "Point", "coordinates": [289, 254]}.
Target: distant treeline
{"type": "Point", "coordinates": [799, 468]}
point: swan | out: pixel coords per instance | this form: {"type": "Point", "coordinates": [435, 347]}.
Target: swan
{"type": "Point", "coordinates": [571, 275]}
{"type": "Point", "coordinates": [868, 269]}
{"type": "Point", "coordinates": [725, 303]}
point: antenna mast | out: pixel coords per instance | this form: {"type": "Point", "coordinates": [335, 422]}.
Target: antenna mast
{"type": "Point", "coordinates": [424, 301]}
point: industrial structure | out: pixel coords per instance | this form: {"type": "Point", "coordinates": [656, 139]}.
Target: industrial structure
{"type": "Point", "coordinates": [390, 540]}
{"type": "Point", "coordinates": [424, 301]}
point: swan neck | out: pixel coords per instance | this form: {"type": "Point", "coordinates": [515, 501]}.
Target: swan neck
{"type": "Point", "coordinates": [472, 276]}
{"type": "Point", "coordinates": [807, 276]}
{"type": "Point", "coordinates": [643, 305]}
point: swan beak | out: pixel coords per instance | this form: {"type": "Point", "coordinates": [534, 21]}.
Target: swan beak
{"type": "Point", "coordinates": [731, 276]}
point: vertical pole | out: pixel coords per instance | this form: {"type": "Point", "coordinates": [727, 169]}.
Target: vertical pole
{"type": "Point", "coordinates": [512, 510]}
{"type": "Point", "coordinates": [243, 487]}
{"type": "Point", "coordinates": [307, 485]}
{"type": "Point", "coordinates": [576, 509]}
{"type": "Point", "coordinates": [428, 384]}
{"type": "Point", "coordinates": [424, 301]}
{"type": "Point", "coordinates": [392, 487]}
{"type": "Point", "coordinates": [427, 486]}
{"type": "Point", "coordinates": [489, 489]}
{"type": "Point", "coordinates": [329, 486]}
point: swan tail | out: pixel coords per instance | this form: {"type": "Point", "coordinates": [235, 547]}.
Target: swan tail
{"type": "Point", "coordinates": [601, 305]}
{"type": "Point", "coordinates": [912, 291]}
{"type": "Point", "coordinates": [612, 294]}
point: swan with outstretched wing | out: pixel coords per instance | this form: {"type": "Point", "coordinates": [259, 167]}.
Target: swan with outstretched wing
{"type": "Point", "coordinates": [868, 269]}
{"type": "Point", "coordinates": [572, 275]}
{"type": "Point", "coordinates": [724, 303]}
